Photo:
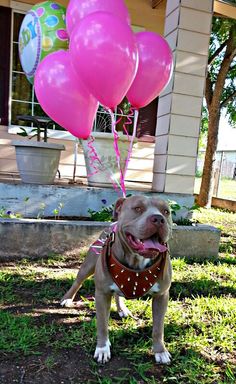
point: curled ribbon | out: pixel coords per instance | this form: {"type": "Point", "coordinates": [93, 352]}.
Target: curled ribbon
{"type": "Point", "coordinates": [123, 171]}
{"type": "Point", "coordinates": [94, 158]}
{"type": "Point", "coordinates": [132, 113]}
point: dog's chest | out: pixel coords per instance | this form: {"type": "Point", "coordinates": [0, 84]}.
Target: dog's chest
{"type": "Point", "coordinates": [154, 289]}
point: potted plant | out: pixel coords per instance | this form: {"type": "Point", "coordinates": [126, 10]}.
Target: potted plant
{"type": "Point", "coordinates": [99, 153]}
{"type": "Point", "coordinates": [37, 161]}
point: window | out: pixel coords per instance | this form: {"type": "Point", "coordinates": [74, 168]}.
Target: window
{"type": "Point", "coordinates": [5, 31]}
{"type": "Point", "coordinates": [22, 96]}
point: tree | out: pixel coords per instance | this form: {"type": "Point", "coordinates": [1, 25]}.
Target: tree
{"type": "Point", "coordinates": [220, 95]}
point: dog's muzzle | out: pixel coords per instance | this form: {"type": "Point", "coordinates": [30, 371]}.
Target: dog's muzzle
{"type": "Point", "coordinates": [133, 283]}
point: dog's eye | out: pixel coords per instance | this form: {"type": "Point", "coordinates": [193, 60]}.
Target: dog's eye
{"type": "Point", "coordinates": [138, 209]}
{"type": "Point", "coordinates": [166, 212]}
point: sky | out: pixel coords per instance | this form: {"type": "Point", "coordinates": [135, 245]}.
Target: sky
{"type": "Point", "coordinates": [227, 136]}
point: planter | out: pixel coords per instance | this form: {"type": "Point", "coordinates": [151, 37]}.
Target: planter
{"type": "Point", "coordinates": [40, 238]}
{"type": "Point", "coordinates": [37, 161]}
{"type": "Point", "coordinates": [108, 168]}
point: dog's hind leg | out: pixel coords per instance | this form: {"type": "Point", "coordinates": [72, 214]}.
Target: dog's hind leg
{"type": "Point", "coordinates": [122, 310]}
{"type": "Point", "coordinates": [86, 270]}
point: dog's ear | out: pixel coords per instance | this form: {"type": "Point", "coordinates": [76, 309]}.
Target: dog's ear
{"type": "Point", "coordinates": [117, 207]}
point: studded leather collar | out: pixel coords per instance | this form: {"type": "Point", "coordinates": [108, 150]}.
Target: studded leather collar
{"type": "Point", "coordinates": [133, 283]}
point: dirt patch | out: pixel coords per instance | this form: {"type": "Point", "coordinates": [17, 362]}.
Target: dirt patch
{"type": "Point", "coordinates": [72, 366]}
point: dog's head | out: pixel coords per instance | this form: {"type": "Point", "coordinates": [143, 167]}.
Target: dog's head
{"type": "Point", "coordinates": [143, 224]}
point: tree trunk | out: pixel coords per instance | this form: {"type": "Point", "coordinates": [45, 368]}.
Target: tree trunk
{"type": "Point", "coordinates": [213, 93]}
{"type": "Point", "coordinates": [207, 184]}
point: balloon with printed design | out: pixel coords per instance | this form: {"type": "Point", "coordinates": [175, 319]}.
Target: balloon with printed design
{"type": "Point", "coordinates": [43, 31]}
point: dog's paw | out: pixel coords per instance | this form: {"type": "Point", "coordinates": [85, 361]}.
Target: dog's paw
{"type": "Point", "coordinates": [124, 312]}
{"type": "Point", "coordinates": [68, 303]}
{"type": "Point", "coordinates": [163, 357]}
{"type": "Point", "coordinates": [103, 354]}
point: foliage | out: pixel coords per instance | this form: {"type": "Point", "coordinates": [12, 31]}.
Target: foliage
{"type": "Point", "coordinates": [104, 214]}
{"type": "Point", "coordinates": [57, 211]}
{"type": "Point", "coordinates": [35, 132]}
{"type": "Point", "coordinates": [221, 30]}
{"type": "Point", "coordinates": [7, 214]}
{"type": "Point", "coordinates": [203, 128]}
{"type": "Point", "coordinates": [175, 208]}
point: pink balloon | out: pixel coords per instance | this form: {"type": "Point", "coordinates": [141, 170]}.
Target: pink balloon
{"type": "Point", "coordinates": [78, 9]}
{"type": "Point", "coordinates": [104, 54]}
{"type": "Point", "coordinates": [63, 96]}
{"type": "Point", "coordinates": [154, 69]}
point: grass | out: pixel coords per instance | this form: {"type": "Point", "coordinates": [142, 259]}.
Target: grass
{"type": "Point", "coordinates": [227, 188]}
{"type": "Point", "coordinates": [200, 326]}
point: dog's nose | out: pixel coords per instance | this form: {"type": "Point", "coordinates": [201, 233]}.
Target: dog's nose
{"type": "Point", "coordinates": [157, 219]}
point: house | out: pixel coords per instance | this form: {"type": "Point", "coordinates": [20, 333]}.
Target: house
{"type": "Point", "coordinates": [166, 162]}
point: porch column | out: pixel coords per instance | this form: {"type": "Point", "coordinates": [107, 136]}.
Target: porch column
{"type": "Point", "coordinates": [187, 30]}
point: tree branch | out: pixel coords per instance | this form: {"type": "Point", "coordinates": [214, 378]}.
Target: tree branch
{"type": "Point", "coordinates": [229, 55]}
{"type": "Point", "coordinates": [208, 91]}
{"type": "Point", "coordinates": [217, 52]}
{"type": "Point", "coordinates": [228, 99]}
{"type": "Point", "coordinates": [232, 68]}
{"type": "Point", "coordinates": [155, 3]}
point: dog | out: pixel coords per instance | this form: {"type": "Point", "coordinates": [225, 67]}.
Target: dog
{"type": "Point", "coordinates": [134, 261]}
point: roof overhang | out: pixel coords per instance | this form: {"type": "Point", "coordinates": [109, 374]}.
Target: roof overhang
{"type": "Point", "coordinates": [224, 8]}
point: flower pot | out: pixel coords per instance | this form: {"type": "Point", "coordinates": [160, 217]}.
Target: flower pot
{"type": "Point", "coordinates": [37, 161]}
{"type": "Point", "coordinates": [101, 174]}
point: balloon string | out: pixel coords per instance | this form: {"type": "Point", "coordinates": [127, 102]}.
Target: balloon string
{"type": "Point", "coordinates": [123, 171]}
{"type": "Point", "coordinates": [93, 159]}
{"type": "Point", "coordinates": [117, 149]}
{"type": "Point", "coordinates": [133, 112]}
{"type": "Point", "coordinates": [93, 156]}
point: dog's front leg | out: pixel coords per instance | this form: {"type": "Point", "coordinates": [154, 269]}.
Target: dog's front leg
{"type": "Point", "coordinates": [159, 307]}
{"type": "Point", "coordinates": [103, 304]}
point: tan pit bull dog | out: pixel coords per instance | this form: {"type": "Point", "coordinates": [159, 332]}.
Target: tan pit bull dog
{"type": "Point", "coordinates": [134, 261]}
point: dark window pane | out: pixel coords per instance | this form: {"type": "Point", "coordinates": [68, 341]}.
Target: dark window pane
{"type": "Point", "coordinates": [18, 18]}
{"type": "Point", "coordinates": [16, 65]}
{"type": "Point", "coordinates": [38, 111]}
{"type": "Point", "coordinates": [147, 119]}
{"type": "Point", "coordinates": [21, 87]}
{"type": "Point", "coordinates": [58, 127]}
{"type": "Point", "coordinates": [35, 98]}
{"type": "Point", "coordinates": [20, 109]}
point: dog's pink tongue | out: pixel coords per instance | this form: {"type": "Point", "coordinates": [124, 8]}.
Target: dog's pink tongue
{"type": "Point", "coordinates": [152, 244]}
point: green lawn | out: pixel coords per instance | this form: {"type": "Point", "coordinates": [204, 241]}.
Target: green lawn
{"type": "Point", "coordinates": [227, 189]}
{"type": "Point", "coordinates": [43, 343]}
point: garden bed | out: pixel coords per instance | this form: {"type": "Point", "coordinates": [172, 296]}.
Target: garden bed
{"type": "Point", "coordinates": [40, 238]}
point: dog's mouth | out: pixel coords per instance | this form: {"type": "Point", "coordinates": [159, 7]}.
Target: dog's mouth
{"type": "Point", "coordinates": [146, 247]}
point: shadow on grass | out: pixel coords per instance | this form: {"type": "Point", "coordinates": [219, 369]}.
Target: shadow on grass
{"type": "Point", "coordinates": [230, 260]}
{"type": "Point", "coordinates": [15, 288]}
{"type": "Point", "coordinates": [201, 287]}
{"type": "Point", "coordinates": [19, 289]}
